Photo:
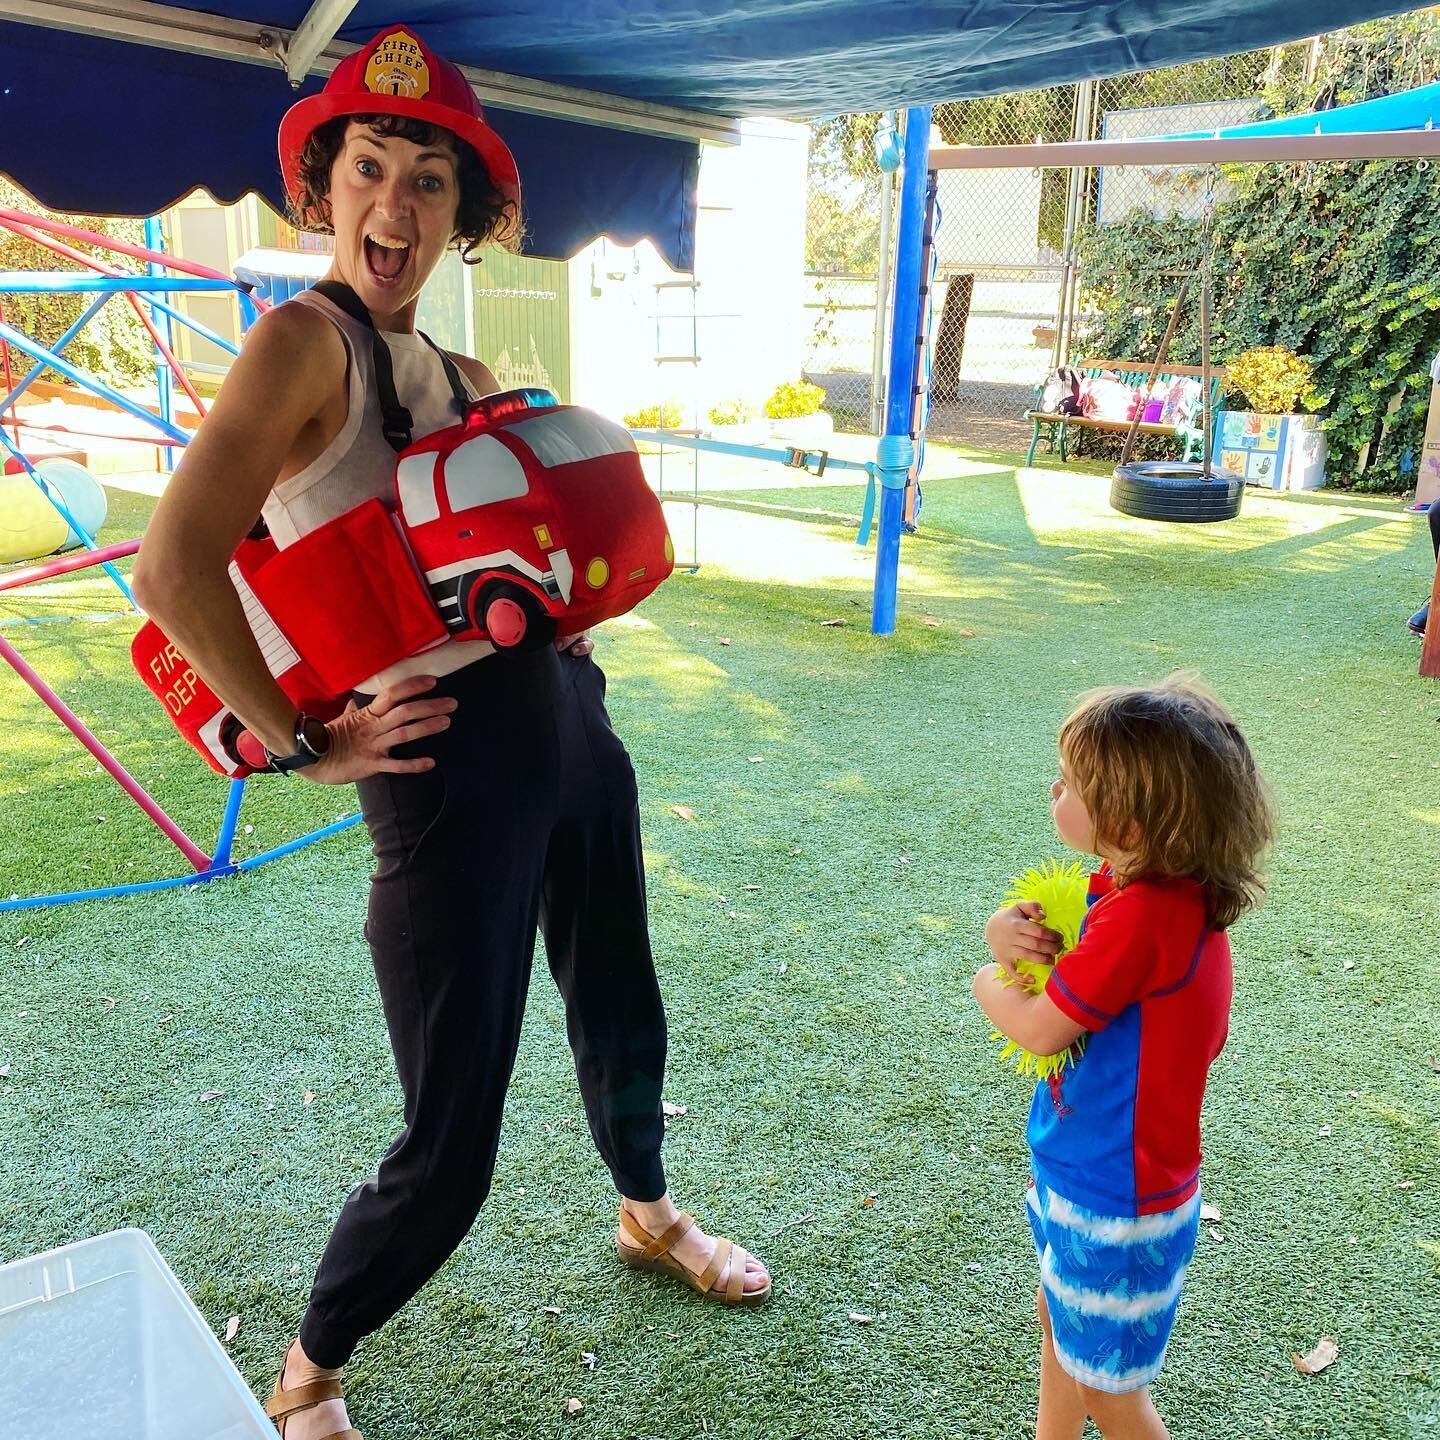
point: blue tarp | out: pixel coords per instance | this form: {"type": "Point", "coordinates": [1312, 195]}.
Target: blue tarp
{"type": "Point", "coordinates": [119, 127]}
{"type": "Point", "coordinates": [1411, 110]}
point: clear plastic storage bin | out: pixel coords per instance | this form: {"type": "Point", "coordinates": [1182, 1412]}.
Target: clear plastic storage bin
{"type": "Point", "coordinates": [100, 1339]}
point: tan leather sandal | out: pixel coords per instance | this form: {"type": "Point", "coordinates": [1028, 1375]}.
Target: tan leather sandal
{"type": "Point", "coordinates": [284, 1403]}
{"type": "Point", "coordinates": [652, 1252]}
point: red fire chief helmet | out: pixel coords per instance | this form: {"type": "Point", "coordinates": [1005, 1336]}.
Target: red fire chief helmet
{"type": "Point", "coordinates": [396, 73]}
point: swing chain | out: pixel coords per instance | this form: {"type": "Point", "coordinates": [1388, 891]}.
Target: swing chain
{"type": "Point", "coordinates": [1207, 271]}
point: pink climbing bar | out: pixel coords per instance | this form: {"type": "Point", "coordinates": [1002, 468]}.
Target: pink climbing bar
{"type": "Point", "coordinates": [80, 560]}
{"type": "Point", "coordinates": [10, 217]}
{"type": "Point", "coordinates": [122, 777]}
{"type": "Point", "coordinates": [69, 251]}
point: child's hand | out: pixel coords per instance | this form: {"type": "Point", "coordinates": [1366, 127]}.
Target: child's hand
{"type": "Point", "coordinates": [1015, 933]}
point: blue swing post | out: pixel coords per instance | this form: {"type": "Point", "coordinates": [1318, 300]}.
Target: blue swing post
{"type": "Point", "coordinates": [895, 454]}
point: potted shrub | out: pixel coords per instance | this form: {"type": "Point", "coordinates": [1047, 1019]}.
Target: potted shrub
{"type": "Point", "coordinates": [737, 421]}
{"type": "Point", "coordinates": [1270, 441]}
{"type": "Point", "coordinates": [796, 418]}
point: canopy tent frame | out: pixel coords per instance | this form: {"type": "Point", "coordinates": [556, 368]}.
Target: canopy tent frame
{"type": "Point", "coordinates": [1216, 149]}
{"type": "Point", "coordinates": [317, 30]}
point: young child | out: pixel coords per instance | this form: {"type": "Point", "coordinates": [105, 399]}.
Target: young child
{"type": "Point", "coordinates": [1160, 784]}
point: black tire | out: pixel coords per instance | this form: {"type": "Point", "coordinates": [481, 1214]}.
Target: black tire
{"type": "Point", "coordinates": [1175, 491]}
{"type": "Point", "coordinates": [539, 627]}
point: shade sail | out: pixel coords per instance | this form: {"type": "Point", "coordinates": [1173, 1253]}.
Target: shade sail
{"type": "Point", "coordinates": [1410, 110]}
{"type": "Point", "coordinates": [90, 121]}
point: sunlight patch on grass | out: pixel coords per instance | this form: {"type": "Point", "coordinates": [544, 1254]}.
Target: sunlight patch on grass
{"type": "Point", "coordinates": [752, 549]}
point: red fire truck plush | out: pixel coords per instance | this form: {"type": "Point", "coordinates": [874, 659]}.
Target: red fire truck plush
{"type": "Point", "coordinates": [530, 518]}
{"type": "Point", "coordinates": [524, 521]}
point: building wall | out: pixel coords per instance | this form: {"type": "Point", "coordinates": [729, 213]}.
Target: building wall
{"type": "Point", "coordinates": [592, 328]}
{"type": "Point", "coordinates": [198, 229]}
{"type": "Point", "coordinates": [988, 217]}
{"type": "Point", "coordinates": [637, 326]}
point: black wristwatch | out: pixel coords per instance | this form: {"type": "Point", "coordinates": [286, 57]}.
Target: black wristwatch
{"type": "Point", "coordinates": [312, 743]}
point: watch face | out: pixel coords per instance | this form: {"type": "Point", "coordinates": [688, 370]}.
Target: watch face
{"type": "Point", "coordinates": [312, 735]}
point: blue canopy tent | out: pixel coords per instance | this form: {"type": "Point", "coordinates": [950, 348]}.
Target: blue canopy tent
{"type": "Point", "coordinates": [120, 106]}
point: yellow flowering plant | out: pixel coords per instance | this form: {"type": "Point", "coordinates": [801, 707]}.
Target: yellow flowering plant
{"type": "Point", "coordinates": [664, 416]}
{"type": "Point", "coordinates": [1271, 378]}
{"type": "Point", "coordinates": [794, 398]}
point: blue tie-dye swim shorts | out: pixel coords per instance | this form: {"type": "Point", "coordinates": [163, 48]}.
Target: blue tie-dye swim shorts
{"type": "Point", "coordinates": [1112, 1284]}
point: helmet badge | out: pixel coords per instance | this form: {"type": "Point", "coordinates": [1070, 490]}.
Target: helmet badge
{"type": "Point", "coordinates": [398, 67]}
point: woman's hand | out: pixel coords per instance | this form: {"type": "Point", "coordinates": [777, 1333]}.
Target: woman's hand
{"type": "Point", "coordinates": [577, 645]}
{"type": "Point", "coordinates": [361, 738]}
{"type": "Point", "coordinates": [1015, 933]}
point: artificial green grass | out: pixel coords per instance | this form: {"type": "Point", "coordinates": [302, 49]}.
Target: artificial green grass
{"type": "Point", "coordinates": [878, 793]}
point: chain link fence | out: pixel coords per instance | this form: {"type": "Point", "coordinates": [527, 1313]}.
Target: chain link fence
{"type": "Point", "coordinates": [1007, 300]}
{"type": "Point", "coordinates": [849, 247]}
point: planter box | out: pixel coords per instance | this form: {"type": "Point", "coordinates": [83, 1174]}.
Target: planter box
{"type": "Point", "coordinates": [807, 432]}
{"type": "Point", "coordinates": [1275, 452]}
{"type": "Point", "coordinates": [1427, 486]}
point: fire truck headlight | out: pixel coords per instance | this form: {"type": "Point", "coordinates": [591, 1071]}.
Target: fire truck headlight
{"type": "Point", "coordinates": [597, 572]}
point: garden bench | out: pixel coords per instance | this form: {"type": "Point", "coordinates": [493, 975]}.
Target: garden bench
{"type": "Point", "coordinates": [1135, 373]}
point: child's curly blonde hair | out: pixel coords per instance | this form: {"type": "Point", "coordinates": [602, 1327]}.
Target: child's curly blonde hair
{"type": "Point", "coordinates": [1170, 783]}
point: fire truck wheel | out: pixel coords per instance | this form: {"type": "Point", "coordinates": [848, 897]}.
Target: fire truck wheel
{"type": "Point", "coordinates": [513, 618]}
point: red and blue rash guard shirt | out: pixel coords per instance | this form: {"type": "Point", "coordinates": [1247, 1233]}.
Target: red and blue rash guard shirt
{"type": "Point", "coordinates": [1119, 1130]}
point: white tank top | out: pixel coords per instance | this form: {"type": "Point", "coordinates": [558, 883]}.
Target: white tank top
{"type": "Point", "coordinates": [358, 464]}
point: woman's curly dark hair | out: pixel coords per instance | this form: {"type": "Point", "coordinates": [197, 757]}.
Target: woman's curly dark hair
{"type": "Point", "coordinates": [484, 216]}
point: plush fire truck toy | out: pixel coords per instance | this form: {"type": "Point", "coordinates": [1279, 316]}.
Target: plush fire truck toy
{"type": "Point", "coordinates": [524, 521]}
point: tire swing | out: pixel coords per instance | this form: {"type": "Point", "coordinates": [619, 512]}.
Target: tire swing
{"type": "Point", "coordinates": [1182, 492]}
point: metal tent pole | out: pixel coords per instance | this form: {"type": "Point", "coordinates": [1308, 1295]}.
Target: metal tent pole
{"type": "Point", "coordinates": [882, 297]}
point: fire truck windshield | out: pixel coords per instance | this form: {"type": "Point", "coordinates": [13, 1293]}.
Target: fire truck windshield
{"type": "Point", "coordinates": [482, 471]}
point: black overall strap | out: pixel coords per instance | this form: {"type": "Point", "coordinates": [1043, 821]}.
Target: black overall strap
{"type": "Point", "coordinates": [458, 391]}
{"type": "Point", "coordinates": [395, 420]}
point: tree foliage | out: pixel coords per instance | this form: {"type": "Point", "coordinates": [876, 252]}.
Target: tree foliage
{"type": "Point", "coordinates": [843, 153]}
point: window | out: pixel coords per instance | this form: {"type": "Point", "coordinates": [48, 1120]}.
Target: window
{"type": "Point", "coordinates": [416, 482]}
{"type": "Point", "coordinates": [481, 472]}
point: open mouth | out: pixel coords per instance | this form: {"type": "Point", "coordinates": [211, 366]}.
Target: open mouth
{"type": "Point", "coordinates": [386, 256]}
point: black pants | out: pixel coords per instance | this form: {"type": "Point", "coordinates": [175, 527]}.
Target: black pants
{"type": "Point", "coordinates": [528, 817]}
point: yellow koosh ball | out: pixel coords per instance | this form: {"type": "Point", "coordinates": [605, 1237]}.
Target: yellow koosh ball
{"type": "Point", "coordinates": [1060, 890]}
